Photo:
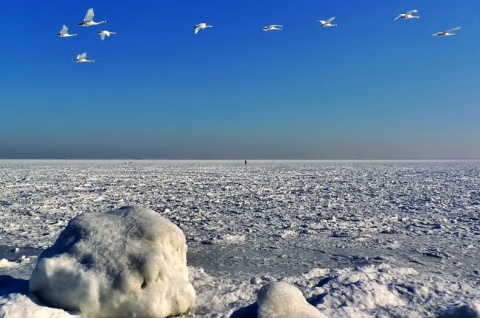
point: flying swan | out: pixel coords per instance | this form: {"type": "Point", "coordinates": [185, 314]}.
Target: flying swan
{"type": "Point", "coordinates": [64, 32]}
{"type": "Point", "coordinates": [448, 32]}
{"type": "Point", "coordinates": [408, 15]}
{"type": "Point", "coordinates": [88, 20]}
{"type": "Point", "coordinates": [327, 23]}
{"type": "Point", "coordinates": [201, 26]}
{"type": "Point", "coordinates": [82, 58]}
{"type": "Point", "coordinates": [105, 33]}
{"type": "Point", "coordinates": [273, 27]}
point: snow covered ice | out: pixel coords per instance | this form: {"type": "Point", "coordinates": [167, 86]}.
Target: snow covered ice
{"type": "Point", "coordinates": [282, 300]}
{"type": "Point", "coordinates": [129, 262]}
{"type": "Point", "coordinates": [358, 239]}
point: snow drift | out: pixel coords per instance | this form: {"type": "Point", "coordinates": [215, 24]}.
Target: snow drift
{"type": "Point", "coordinates": [129, 262]}
{"type": "Point", "coordinates": [282, 300]}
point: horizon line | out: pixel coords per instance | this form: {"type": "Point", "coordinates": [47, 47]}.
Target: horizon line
{"type": "Point", "coordinates": [247, 159]}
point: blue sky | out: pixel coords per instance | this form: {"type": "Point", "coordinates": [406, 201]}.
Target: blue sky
{"type": "Point", "coordinates": [370, 88]}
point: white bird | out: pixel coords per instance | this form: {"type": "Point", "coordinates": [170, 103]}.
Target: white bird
{"type": "Point", "coordinates": [273, 27]}
{"type": "Point", "coordinates": [327, 23]}
{"type": "Point", "coordinates": [448, 32]}
{"type": "Point", "coordinates": [88, 20]}
{"type": "Point", "coordinates": [408, 15]}
{"type": "Point", "coordinates": [82, 58]}
{"type": "Point", "coordinates": [64, 32]}
{"type": "Point", "coordinates": [105, 33]}
{"type": "Point", "coordinates": [201, 26]}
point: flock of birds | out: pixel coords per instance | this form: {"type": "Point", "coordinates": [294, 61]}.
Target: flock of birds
{"type": "Point", "coordinates": [88, 21]}
{"type": "Point", "coordinates": [409, 15]}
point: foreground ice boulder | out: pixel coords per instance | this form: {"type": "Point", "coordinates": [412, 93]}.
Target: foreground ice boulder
{"type": "Point", "coordinates": [282, 300]}
{"type": "Point", "coordinates": [471, 310]}
{"type": "Point", "coordinates": [129, 262]}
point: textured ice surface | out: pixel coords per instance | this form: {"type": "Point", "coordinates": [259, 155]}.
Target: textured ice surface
{"type": "Point", "coordinates": [271, 221]}
{"type": "Point", "coordinates": [129, 262]}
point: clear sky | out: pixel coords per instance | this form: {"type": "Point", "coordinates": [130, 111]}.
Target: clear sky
{"type": "Point", "coordinates": [370, 88]}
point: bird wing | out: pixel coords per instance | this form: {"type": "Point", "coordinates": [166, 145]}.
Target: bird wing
{"type": "Point", "coordinates": [102, 36]}
{"type": "Point", "coordinates": [398, 17]}
{"type": "Point", "coordinates": [412, 11]}
{"type": "Point", "coordinates": [454, 29]}
{"type": "Point", "coordinates": [200, 26]}
{"type": "Point", "coordinates": [64, 30]}
{"type": "Point", "coordinates": [89, 16]}
{"type": "Point", "coordinates": [438, 33]}
{"type": "Point", "coordinates": [277, 26]}
{"type": "Point", "coordinates": [81, 56]}
{"type": "Point", "coordinates": [330, 20]}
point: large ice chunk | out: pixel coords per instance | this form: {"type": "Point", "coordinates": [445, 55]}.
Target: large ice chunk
{"type": "Point", "coordinates": [471, 310]}
{"type": "Point", "coordinates": [129, 262]}
{"type": "Point", "coordinates": [282, 300]}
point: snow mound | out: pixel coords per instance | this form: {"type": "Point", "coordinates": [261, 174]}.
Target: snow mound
{"type": "Point", "coordinates": [21, 306]}
{"type": "Point", "coordinates": [282, 300]}
{"type": "Point", "coordinates": [366, 288]}
{"type": "Point", "coordinates": [5, 263]}
{"type": "Point", "coordinates": [129, 262]}
{"type": "Point", "coordinates": [466, 311]}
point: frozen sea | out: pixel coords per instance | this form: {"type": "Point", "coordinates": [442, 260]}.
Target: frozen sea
{"type": "Point", "coordinates": [358, 238]}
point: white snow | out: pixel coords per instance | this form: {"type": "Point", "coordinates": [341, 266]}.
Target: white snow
{"type": "Point", "coordinates": [282, 300]}
{"type": "Point", "coordinates": [5, 263]}
{"type": "Point", "coordinates": [122, 263]}
{"type": "Point", "coordinates": [21, 306]}
{"type": "Point", "coordinates": [358, 239]}
{"type": "Point", "coordinates": [230, 239]}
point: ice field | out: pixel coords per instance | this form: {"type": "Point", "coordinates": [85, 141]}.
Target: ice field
{"type": "Point", "coordinates": [358, 238]}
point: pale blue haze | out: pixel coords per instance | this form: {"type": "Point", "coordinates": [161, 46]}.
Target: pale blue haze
{"type": "Point", "coordinates": [371, 88]}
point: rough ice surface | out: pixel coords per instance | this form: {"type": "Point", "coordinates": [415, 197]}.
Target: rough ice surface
{"type": "Point", "coordinates": [129, 262]}
{"type": "Point", "coordinates": [369, 291]}
{"type": "Point", "coordinates": [282, 300]}
{"type": "Point", "coordinates": [358, 239]}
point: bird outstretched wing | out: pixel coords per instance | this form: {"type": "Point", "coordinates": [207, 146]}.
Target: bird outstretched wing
{"type": "Point", "coordinates": [89, 15]}
{"type": "Point", "coordinates": [81, 56]}
{"type": "Point", "coordinates": [330, 20]}
{"type": "Point", "coordinates": [412, 12]}
{"type": "Point", "coordinates": [454, 29]}
{"type": "Point", "coordinates": [102, 36]}
{"type": "Point", "coordinates": [64, 30]}
{"type": "Point", "coordinates": [200, 26]}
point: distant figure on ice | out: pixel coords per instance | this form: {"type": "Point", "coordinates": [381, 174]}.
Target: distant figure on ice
{"type": "Point", "coordinates": [245, 162]}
